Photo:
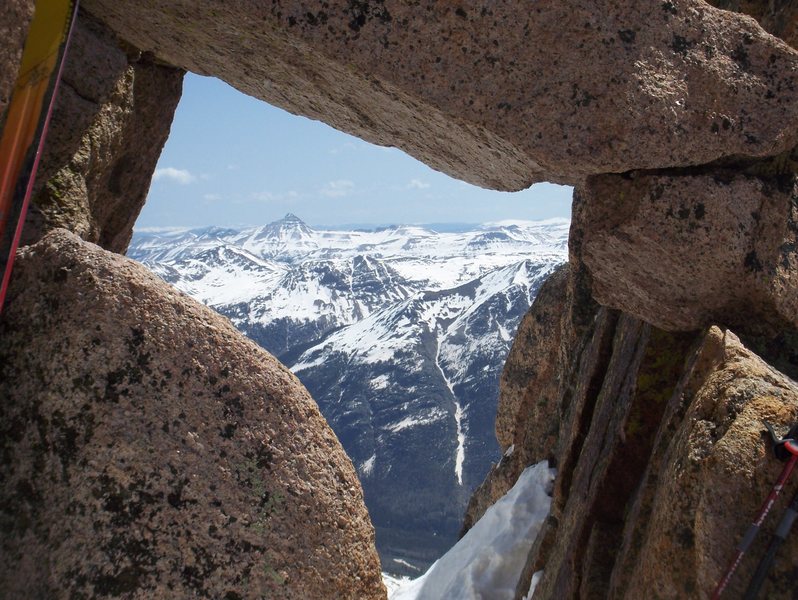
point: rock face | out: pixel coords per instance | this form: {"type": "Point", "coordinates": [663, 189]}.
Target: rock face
{"type": "Point", "coordinates": [710, 467]}
{"type": "Point", "coordinates": [527, 419]}
{"type": "Point", "coordinates": [779, 17]}
{"type": "Point", "coordinates": [149, 450]}
{"type": "Point", "coordinates": [15, 16]}
{"type": "Point", "coordinates": [654, 431]}
{"type": "Point", "coordinates": [110, 122]}
{"type": "Point", "coordinates": [491, 92]}
{"type": "Point", "coordinates": [685, 251]}
{"type": "Point", "coordinates": [673, 465]}
{"type": "Point", "coordinates": [657, 432]}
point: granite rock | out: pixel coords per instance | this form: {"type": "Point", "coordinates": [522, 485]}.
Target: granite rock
{"type": "Point", "coordinates": [15, 17]}
{"type": "Point", "coordinates": [492, 92]}
{"type": "Point", "coordinates": [779, 17]}
{"type": "Point", "coordinates": [683, 251]}
{"type": "Point", "coordinates": [110, 122]}
{"type": "Point", "coordinates": [148, 450]}
{"type": "Point", "coordinates": [710, 471]}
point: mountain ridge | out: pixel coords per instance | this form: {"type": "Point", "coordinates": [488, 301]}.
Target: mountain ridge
{"type": "Point", "coordinates": [400, 335]}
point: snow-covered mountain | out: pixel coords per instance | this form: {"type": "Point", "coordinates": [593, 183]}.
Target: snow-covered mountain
{"type": "Point", "coordinates": [400, 334]}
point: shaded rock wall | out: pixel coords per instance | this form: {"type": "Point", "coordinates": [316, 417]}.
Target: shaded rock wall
{"type": "Point", "coordinates": [110, 122]}
{"type": "Point", "coordinates": [673, 465]}
{"type": "Point", "coordinates": [149, 450]}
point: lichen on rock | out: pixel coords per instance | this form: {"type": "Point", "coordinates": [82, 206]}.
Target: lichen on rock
{"type": "Point", "coordinates": [149, 450]}
{"type": "Point", "coordinates": [497, 94]}
{"type": "Point", "coordinates": [110, 122]}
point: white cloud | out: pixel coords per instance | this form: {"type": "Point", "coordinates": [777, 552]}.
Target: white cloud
{"type": "Point", "coordinates": [338, 188]}
{"type": "Point", "coordinates": [181, 176]}
{"type": "Point", "coordinates": [212, 197]}
{"type": "Point", "coordinates": [417, 184]}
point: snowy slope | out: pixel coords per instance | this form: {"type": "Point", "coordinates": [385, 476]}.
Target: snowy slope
{"type": "Point", "coordinates": [399, 333]}
{"type": "Point", "coordinates": [488, 560]}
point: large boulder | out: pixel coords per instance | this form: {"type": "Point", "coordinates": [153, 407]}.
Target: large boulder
{"type": "Point", "coordinates": [682, 251]}
{"type": "Point", "coordinates": [110, 121]}
{"type": "Point", "coordinates": [496, 93]}
{"type": "Point", "coordinates": [148, 450]}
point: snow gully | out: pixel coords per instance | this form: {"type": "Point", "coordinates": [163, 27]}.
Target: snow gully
{"type": "Point", "coordinates": [459, 413]}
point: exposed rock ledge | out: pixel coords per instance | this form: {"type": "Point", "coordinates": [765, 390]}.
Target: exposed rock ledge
{"type": "Point", "coordinates": [147, 449]}
{"type": "Point", "coordinates": [502, 93]}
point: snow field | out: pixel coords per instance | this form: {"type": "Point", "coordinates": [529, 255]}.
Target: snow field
{"type": "Point", "coordinates": [487, 562]}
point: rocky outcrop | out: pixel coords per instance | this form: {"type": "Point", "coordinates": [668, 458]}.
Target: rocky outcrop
{"type": "Point", "coordinates": [779, 17]}
{"type": "Point", "coordinates": [493, 93]}
{"type": "Point", "coordinates": [149, 450]}
{"type": "Point", "coordinates": [682, 251]}
{"type": "Point", "coordinates": [709, 472]}
{"type": "Point", "coordinates": [657, 493]}
{"type": "Point", "coordinates": [630, 405]}
{"type": "Point", "coordinates": [110, 122]}
{"type": "Point", "coordinates": [657, 433]}
{"type": "Point", "coordinates": [15, 17]}
{"type": "Point", "coordinates": [528, 415]}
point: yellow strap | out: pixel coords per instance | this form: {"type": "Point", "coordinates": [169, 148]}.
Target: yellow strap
{"type": "Point", "coordinates": [39, 59]}
{"type": "Point", "coordinates": [45, 36]}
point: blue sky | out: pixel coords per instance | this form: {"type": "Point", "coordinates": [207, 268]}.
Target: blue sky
{"type": "Point", "coordinates": [235, 161]}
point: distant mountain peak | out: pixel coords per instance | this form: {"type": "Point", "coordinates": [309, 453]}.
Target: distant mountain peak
{"type": "Point", "coordinates": [290, 227]}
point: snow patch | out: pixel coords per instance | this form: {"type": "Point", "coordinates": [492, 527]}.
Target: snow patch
{"type": "Point", "coordinates": [380, 382]}
{"type": "Point", "coordinates": [460, 457]}
{"type": "Point", "coordinates": [368, 466]}
{"type": "Point", "coordinates": [534, 584]}
{"type": "Point", "coordinates": [488, 560]}
{"type": "Point", "coordinates": [433, 416]}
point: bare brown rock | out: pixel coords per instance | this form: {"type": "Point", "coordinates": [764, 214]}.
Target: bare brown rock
{"type": "Point", "coordinates": [15, 17]}
{"type": "Point", "coordinates": [531, 365]}
{"type": "Point", "coordinates": [492, 93]}
{"type": "Point", "coordinates": [711, 471]}
{"type": "Point", "coordinates": [779, 17]}
{"type": "Point", "coordinates": [682, 251]}
{"type": "Point", "coordinates": [627, 373]}
{"type": "Point", "coordinates": [662, 466]}
{"type": "Point", "coordinates": [148, 450]}
{"type": "Point", "coordinates": [110, 122]}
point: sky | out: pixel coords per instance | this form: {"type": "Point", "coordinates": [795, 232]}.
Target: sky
{"type": "Point", "coordinates": [234, 161]}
